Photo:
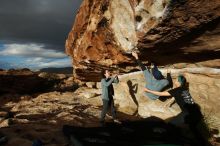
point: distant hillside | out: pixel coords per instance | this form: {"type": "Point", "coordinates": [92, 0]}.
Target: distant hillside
{"type": "Point", "coordinates": [65, 70]}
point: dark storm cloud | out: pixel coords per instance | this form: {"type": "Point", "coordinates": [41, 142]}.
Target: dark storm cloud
{"type": "Point", "coordinates": [37, 21]}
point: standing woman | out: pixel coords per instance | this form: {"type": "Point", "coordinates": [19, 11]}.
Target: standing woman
{"type": "Point", "coordinates": [107, 94]}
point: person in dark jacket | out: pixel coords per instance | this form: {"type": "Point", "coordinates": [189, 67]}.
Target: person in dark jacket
{"type": "Point", "coordinates": [107, 94]}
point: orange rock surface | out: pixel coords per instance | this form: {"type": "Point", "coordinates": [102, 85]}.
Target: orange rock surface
{"type": "Point", "coordinates": [167, 32]}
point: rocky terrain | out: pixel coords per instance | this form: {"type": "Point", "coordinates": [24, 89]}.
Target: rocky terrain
{"type": "Point", "coordinates": [180, 36]}
{"type": "Point", "coordinates": [24, 81]}
{"type": "Point", "coordinates": [40, 114]}
{"type": "Point", "coordinates": [26, 117]}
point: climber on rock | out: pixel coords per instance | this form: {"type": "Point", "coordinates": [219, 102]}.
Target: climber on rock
{"type": "Point", "coordinates": [107, 94]}
{"type": "Point", "coordinates": [154, 81]}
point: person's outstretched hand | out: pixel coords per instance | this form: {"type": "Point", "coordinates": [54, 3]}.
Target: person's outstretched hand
{"type": "Point", "coordinates": [134, 54]}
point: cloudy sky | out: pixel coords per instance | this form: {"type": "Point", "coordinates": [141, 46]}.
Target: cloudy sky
{"type": "Point", "coordinates": [33, 32]}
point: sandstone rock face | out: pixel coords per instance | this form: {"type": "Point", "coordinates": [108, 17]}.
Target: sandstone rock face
{"type": "Point", "coordinates": [205, 91]}
{"type": "Point", "coordinates": [5, 123]}
{"type": "Point", "coordinates": [91, 84]}
{"type": "Point", "coordinates": [130, 98]}
{"type": "Point", "coordinates": [88, 92]}
{"type": "Point", "coordinates": [105, 32]}
{"type": "Point", "coordinates": [52, 76]}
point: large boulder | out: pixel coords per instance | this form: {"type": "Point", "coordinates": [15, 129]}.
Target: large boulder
{"type": "Point", "coordinates": [166, 31]}
{"type": "Point", "coordinates": [130, 99]}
